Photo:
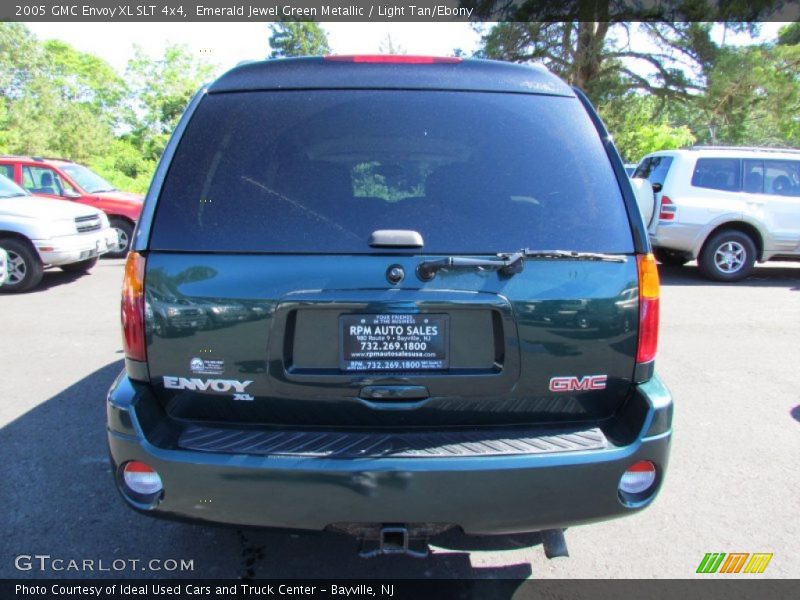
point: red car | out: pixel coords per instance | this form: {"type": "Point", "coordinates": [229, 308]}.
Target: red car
{"type": "Point", "coordinates": [64, 179]}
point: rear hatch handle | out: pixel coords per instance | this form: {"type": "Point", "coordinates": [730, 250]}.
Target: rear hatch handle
{"type": "Point", "coordinates": [394, 392]}
{"type": "Point", "coordinates": [396, 238]}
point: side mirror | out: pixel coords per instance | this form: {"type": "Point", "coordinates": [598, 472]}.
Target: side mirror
{"type": "Point", "coordinates": [71, 195]}
{"type": "Point", "coordinates": [657, 187]}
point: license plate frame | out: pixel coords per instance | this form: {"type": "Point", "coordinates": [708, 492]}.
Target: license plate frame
{"type": "Point", "coordinates": [407, 342]}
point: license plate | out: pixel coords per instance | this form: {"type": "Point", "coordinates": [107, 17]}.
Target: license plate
{"type": "Point", "coordinates": [393, 342]}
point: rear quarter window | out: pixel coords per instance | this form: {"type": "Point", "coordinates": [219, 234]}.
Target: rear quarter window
{"type": "Point", "coordinates": [318, 171]}
{"type": "Point", "coordinates": [654, 169]}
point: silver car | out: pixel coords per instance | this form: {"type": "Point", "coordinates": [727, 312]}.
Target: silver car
{"type": "Point", "coordinates": [727, 207]}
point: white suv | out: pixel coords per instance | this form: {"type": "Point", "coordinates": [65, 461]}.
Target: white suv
{"type": "Point", "coordinates": [37, 233]}
{"type": "Point", "coordinates": [727, 207]}
{"type": "Point", "coordinates": [3, 266]}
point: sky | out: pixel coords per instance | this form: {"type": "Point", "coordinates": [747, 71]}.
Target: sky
{"type": "Point", "coordinates": [226, 44]}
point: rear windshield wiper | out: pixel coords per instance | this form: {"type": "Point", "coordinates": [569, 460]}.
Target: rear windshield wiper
{"type": "Point", "coordinates": [573, 255]}
{"type": "Point", "coordinates": [507, 264]}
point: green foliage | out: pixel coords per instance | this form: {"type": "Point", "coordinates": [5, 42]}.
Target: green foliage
{"type": "Point", "coordinates": [374, 180]}
{"type": "Point", "coordinates": [688, 88]}
{"type": "Point", "coordinates": [752, 98]}
{"type": "Point", "coordinates": [599, 58]}
{"type": "Point", "coordinates": [789, 34]}
{"type": "Point", "coordinates": [20, 58]}
{"type": "Point", "coordinates": [84, 78]}
{"type": "Point", "coordinates": [639, 127]}
{"type": "Point", "coordinates": [124, 166]}
{"type": "Point", "coordinates": [298, 38]}
{"type": "Point", "coordinates": [57, 101]}
{"type": "Point", "coordinates": [160, 89]}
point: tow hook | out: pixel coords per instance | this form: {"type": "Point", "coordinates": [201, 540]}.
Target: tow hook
{"type": "Point", "coordinates": [394, 539]}
{"type": "Point", "coordinates": [554, 544]}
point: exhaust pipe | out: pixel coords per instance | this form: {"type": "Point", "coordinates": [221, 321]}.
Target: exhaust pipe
{"type": "Point", "coordinates": [554, 544]}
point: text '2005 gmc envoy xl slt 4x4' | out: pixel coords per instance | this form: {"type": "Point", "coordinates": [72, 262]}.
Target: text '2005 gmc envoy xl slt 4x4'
{"type": "Point", "coordinates": [410, 294]}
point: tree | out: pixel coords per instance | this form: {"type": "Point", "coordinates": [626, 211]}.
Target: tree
{"type": "Point", "coordinates": [53, 98]}
{"type": "Point", "coordinates": [752, 97]}
{"type": "Point", "coordinates": [298, 38]}
{"type": "Point", "coordinates": [789, 35]}
{"type": "Point", "coordinates": [20, 60]}
{"type": "Point", "coordinates": [160, 89]}
{"type": "Point", "coordinates": [602, 59]}
{"type": "Point", "coordinates": [589, 42]}
{"type": "Point", "coordinates": [639, 127]}
{"type": "Point", "coordinates": [85, 78]}
{"type": "Point", "coordinates": [388, 46]}
{"type": "Point", "coordinates": [699, 89]}
{"type": "Point", "coordinates": [20, 57]}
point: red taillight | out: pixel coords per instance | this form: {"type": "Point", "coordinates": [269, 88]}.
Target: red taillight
{"type": "Point", "coordinates": [649, 292]}
{"type": "Point", "coordinates": [133, 308]}
{"type": "Point", "coordinates": [393, 59]}
{"type": "Point", "coordinates": [667, 209]}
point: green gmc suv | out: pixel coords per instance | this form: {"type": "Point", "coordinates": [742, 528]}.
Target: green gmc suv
{"type": "Point", "coordinates": [390, 296]}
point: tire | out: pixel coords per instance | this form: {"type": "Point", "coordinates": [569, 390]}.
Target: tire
{"type": "Point", "coordinates": [125, 235]}
{"type": "Point", "coordinates": [24, 266]}
{"type": "Point", "coordinates": [159, 327]}
{"type": "Point", "coordinates": [728, 256]}
{"type": "Point", "coordinates": [669, 258]}
{"type": "Point", "coordinates": [80, 267]}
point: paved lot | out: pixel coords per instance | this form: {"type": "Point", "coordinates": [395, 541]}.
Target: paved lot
{"type": "Point", "coordinates": [729, 353]}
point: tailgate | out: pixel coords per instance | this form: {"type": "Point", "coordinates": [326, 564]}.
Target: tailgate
{"type": "Point", "coordinates": [312, 340]}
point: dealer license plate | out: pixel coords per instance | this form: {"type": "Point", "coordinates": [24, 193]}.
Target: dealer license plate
{"type": "Point", "coordinates": [391, 342]}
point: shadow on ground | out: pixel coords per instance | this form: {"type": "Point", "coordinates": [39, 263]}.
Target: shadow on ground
{"type": "Point", "coordinates": [55, 277]}
{"type": "Point", "coordinates": [59, 500]}
{"type": "Point", "coordinates": [763, 276]}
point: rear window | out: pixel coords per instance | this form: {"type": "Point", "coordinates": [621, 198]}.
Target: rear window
{"type": "Point", "coordinates": [319, 171]}
{"type": "Point", "coordinates": [782, 177]}
{"type": "Point", "coordinates": [717, 174]}
{"type": "Point", "coordinates": [654, 169]}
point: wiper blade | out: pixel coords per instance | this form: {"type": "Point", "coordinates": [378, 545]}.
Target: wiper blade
{"type": "Point", "coordinates": [505, 264]}
{"type": "Point", "coordinates": [570, 255]}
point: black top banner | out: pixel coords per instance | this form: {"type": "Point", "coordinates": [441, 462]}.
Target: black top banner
{"type": "Point", "coordinates": [400, 10]}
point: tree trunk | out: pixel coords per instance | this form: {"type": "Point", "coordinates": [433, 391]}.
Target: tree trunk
{"type": "Point", "coordinates": [588, 53]}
